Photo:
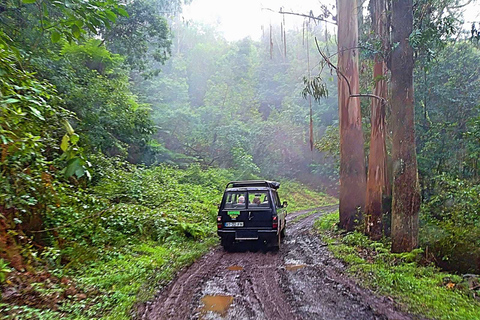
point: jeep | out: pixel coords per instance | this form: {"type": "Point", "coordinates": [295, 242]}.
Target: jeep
{"type": "Point", "coordinates": [251, 211]}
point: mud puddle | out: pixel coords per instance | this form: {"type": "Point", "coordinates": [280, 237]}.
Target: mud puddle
{"type": "Point", "coordinates": [294, 267]}
{"type": "Point", "coordinates": [235, 268]}
{"type": "Point", "coordinates": [217, 303]}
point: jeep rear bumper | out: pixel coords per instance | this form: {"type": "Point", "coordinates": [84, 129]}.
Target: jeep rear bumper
{"type": "Point", "coordinates": [245, 234]}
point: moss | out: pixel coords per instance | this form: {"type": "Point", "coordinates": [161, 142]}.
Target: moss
{"type": "Point", "coordinates": [420, 289]}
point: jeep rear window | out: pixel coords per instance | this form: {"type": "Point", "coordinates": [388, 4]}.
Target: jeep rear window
{"type": "Point", "coordinates": [235, 200]}
{"type": "Point", "coordinates": [258, 199]}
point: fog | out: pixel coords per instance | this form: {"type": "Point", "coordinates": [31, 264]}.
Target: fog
{"type": "Point", "coordinates": [239, 104]}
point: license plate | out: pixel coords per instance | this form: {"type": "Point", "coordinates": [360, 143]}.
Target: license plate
{"type": "Point", "coordinates": [234, 224]}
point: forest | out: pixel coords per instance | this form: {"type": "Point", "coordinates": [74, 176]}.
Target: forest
{"type": "Point", "coordinates": [122, 122]}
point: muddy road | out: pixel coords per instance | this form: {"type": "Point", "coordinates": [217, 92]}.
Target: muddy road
{"type": "Point", "coordinates": [300, 281]}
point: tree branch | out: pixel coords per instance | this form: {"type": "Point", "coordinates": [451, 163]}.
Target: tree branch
{"type": "Point", "coordinates": [460, 5]}
{"type": "Point", "coordinates": [301, 15]}
{"type": "Point", "coordinates": [339, 73]}
{"type": "Point", "coordinates": [327, 60]}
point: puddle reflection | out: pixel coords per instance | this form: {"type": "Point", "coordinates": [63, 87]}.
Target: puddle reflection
{"type": "Point", "coordinates": [235, 268]}
{"type": "Point", "coordinates": [217, 303]}
{"type": "Point", "coordinates": [294, 267]}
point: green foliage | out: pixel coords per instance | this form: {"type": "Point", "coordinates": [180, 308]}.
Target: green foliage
{"type": "Point", "coordinates": [55, 20]}
{"type": "Point", "coordinates": [446, 109]}
{"type": "Point", "coordinates": [94, 86]}
{"type": "Point", "coordinates": [451, 225]}
{"type": "Point", "coordinates": [30, 127]}
{"type": "Point", "coordinates": [4, 269]}
{"type": "Point", "coordinates": [142, 37]}
{"type": "Point", "coordinates": [315, 87]}
{"type": "Point", "coordinates": [423, 290]}
{"type": "Point", "coordinates": [231, 105]}
{"type": "Point", "coordinates": [432, 25]}
{"type": "Point", "coordinates": [301, 197]}
{"type": "Point", "coordinates": [135, 226]}
{"type": "Point", "coordinates": [328, 222]}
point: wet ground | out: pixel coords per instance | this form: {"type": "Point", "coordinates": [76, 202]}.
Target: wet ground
{"type": "Point", "coordinates": [300, 281]}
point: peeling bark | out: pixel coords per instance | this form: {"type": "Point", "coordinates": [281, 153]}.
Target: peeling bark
{"type": "Point", "coordinates": [352, 155]}
{"type": "Point", "coordinates": [378, 186]}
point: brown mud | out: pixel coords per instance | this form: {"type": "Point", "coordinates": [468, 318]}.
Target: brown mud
{"type": "Point", "coordinates": [300, 281]}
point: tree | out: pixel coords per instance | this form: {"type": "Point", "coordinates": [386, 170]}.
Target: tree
{"type": "Point", "coordinates": [142, 37]}
{"type": "Point", "coordinates": [352, 155]}
{"type": "Point", "coordinates": [406, 193]}
{"type": "Point", "coordinates": [378, 186]}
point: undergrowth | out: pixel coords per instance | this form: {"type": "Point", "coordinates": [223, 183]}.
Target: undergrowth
{"type": "Point", "coordinates": [111, 245]}
{"type": "Point", "coordinates": [420, 289]}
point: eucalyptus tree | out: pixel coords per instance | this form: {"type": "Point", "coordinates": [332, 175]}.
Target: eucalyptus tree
{"type": "Point", "coordinates": [406, 190]}
{"type": "Point", "coordinates": [352, 156]}
{"type": "Point", "coordinates": [378, 185]}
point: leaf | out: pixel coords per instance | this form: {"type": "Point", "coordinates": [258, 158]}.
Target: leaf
{"type": "Point", "coordinates": [28, 1]}
{"type": "Point", "coordinates": [36, 113]}
{"type": "Point", "coordinates": [91, 27]}
{"type": "Point", "coordinates": [97, 23]}
{"type": "Point", "coordinates": [55, 36]}
{"type": "Point", "coordinates": [76, 31]}
{"type": "Point", "coordinates": [78, 23]}
{"type": "Point", "coordinates": [65, 143]}
{"type": "Point", "coordinates": [110, 15]}
{"type": "Point", "coordinates": [72, 167]}
{"type": "Point", "coordinates": [11, 100]}
{"type": "Point", "coordinates": [68, 127]}
{"type": "Point", "coordinates": [122, 12]}
{"type": "Point", "coordinates": [74, 138]}
{"type": "Point", "coordinates": [5, 140]}
{"type": "Point", "coordinates": [45, 9]}
{"type": "Point", "coordinates": [80, 172]}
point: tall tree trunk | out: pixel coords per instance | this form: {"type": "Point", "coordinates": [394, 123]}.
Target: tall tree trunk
{"type": "Point", "coordinates": [406, 194]}
{"type": "Point", "coordinates": [377, 180]}
{"type": "Point", "coordinates": [352, 154]}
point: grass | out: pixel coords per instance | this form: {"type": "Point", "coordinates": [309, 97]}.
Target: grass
{"type": "Point", "coordinates": [120, 280]}
{"type": "Point", "coordinates": [300, 197]}
{"type": "Point", "coordinates": [423, 290]}
{"type": "Point", "coordinates": [303, 216]}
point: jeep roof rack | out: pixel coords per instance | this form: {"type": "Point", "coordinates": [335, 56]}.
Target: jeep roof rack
{"type": "Point", "coordinates": [253, 183]}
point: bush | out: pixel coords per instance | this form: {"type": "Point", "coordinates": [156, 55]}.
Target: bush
{"type": "Point", "coordinates": [450, 230]}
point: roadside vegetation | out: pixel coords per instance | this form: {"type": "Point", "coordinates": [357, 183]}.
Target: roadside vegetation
{"type": "Point", "coordinates": [114, 244]}
{"type": "Point", "coordinates": [414, 283]}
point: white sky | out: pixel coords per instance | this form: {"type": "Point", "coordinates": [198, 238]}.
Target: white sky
{"type": "Point", "coordinates": [238, 19]}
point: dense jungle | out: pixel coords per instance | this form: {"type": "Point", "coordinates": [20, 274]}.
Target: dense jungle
{"type": "Point", "coordinates": [121, 122]}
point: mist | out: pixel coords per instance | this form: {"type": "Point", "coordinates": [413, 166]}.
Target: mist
{"type": "Point", "coordinates": [240, 105]}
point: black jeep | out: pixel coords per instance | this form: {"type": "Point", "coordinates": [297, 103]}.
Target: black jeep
{"type": "Point", "coordinates": [251, 210]}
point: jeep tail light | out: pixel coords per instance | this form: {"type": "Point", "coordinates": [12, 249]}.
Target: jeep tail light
{"type": "Point", "coordinates": [275, 222]}
{"type": "Point", "coordinates": [219, 222]}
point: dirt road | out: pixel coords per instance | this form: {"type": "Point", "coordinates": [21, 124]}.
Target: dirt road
{"type": "Point", "coordinates": [300, 281]}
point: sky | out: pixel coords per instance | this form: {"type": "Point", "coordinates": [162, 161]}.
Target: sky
{"type": "Point", "coordinates": [238, 19]}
